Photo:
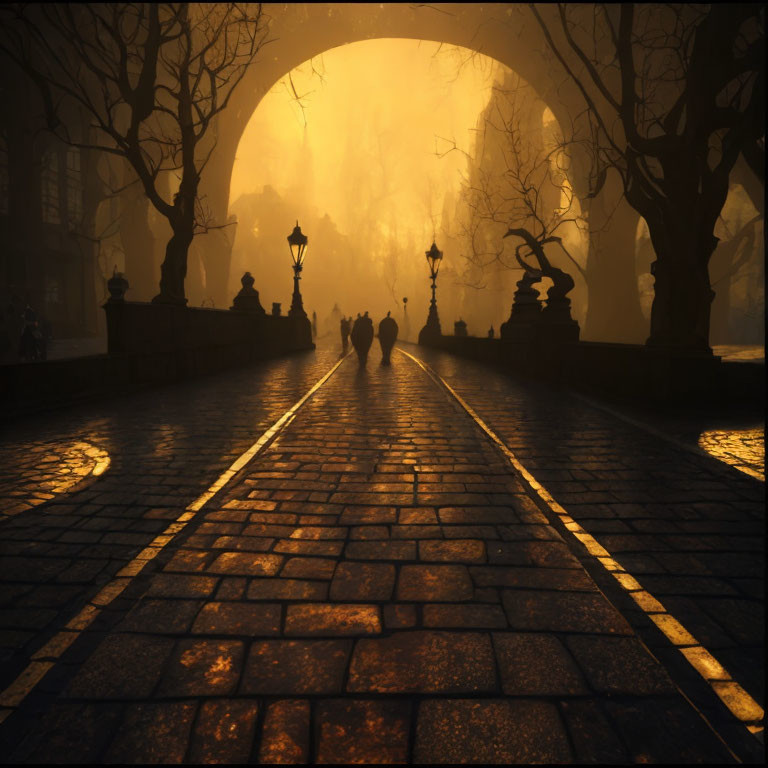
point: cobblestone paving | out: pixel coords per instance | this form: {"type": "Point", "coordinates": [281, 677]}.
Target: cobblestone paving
{"type": "Point", "coordinates": [46, 471]}
{"type": "Point", "coordinates": [741, 448]}
{"type": "Point", "coordinates": [374, 587]}
{"type": "Point", "coordinates": [689, 528]}
{"type": "Point", "coordinates": [165, 447]}
{"type": "Point", "coordinates": [733, 433]}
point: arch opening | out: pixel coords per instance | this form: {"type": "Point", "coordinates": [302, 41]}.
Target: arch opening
{"type": "Point", "coordinates": [367, 146]}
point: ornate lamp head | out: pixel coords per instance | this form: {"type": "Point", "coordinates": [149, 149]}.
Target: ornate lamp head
{"type": "Point", "coordinates": [297, 241]}
{"type": "Point", "coordinates": [434, 257]}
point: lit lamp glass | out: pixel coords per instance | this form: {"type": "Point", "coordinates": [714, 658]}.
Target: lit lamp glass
{"type": "Point", "coordinates": [434, 257]}
{"type": "Point", "coordinates": [297, 241]}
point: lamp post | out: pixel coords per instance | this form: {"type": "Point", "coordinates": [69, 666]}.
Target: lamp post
{"type": "Point", "coordinates": [432, 329]}
{"type": "Point", "coordinates": [297, 241]}
{"type": "Point", "coordinates": [406, 333]}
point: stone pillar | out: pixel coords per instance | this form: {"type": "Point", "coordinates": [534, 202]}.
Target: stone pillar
{"type": "Point", "coordinates": [525, 314]}
{"type": "Point", "coordinates": [247, 300]}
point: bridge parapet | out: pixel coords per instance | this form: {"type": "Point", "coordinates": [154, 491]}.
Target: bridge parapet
{"type": "Point", "coordinates": [619, 371]}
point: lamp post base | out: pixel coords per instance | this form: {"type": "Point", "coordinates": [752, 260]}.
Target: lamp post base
{"type": "Point", "coordinates": [297, 305]}
{"type": "Point", "coordinates": [301, 332]}
{"type": "Point", "coordinates": [431, 331]}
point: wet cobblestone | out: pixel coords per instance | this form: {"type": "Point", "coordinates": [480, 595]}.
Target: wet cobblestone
{"type": "Point", "coordinates": [741, 448]}
{"type": "Point", "coordinates": [688, 527]}
{"type": "Point", "coordinates": [65, 532]}
{"type": "Point", "coordinates": [377, 585]}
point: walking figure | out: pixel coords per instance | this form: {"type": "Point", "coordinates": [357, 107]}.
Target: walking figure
{"type": "Point", "coordinates": [387, 337]}
{"type": "Point", "coordinates": [362, 337]}
{"type": "Point", "coordinates": [345, 333]}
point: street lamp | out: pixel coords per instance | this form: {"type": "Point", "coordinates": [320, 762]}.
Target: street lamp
{"type": "Point", "coordinates": [432, 328]}
{"type": "Point", "coordinates": [297, 241]}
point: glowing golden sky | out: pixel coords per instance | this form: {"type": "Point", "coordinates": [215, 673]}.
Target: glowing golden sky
{"type": "Point", "coordinates": [378, 111]}
{"type": "Point", "coordinates": [363, 148]}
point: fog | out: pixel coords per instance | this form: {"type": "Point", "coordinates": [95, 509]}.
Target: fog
{"type": "Point", "coordinates": [371, 147]}
{"type": "Point", "coordinates": [355, 146]}
{"type": "Point", "coordinates": [374, 147]}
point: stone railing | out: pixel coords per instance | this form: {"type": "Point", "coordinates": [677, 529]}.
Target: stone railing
{"type": "Point", "coordinates": [631, 371]}
{"type": "Point", "coordinates": [156, 343]}
{"type": "Point", "coordinates": [162, 342]}
{"type": "Point", "coordinates": [167, 342]}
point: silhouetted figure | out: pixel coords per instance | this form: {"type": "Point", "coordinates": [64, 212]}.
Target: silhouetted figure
{"type": "Point", "coordinates": [387, 337]}
{"type": "Point", "coordinates": [31, 344]}
{"type": "Point", "coordinates": [490, 332]}
{"type": "Point", "coordinates": [345, 333]}
{"type": "Point", "coordinates": [362, 337]}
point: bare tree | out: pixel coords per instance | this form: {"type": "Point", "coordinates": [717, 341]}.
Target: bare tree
{"type": "Point", "coordinates": [674, 93]}
{"type": "Point", "coordinates": [519, 185]}
{"type": "Point", "coordinates": [152, 77]}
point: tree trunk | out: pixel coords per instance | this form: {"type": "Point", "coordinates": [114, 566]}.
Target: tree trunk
{"type": "Point", "coordinates": [173, 270]}
{"type": "Point", "coordinates": [682, 303]}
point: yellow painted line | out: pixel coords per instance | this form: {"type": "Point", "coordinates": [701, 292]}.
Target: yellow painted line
{"type": "Point", "coordinates": [14, 694]}
{"type": "Point", "coordinates": [735, 698]}
{"type": "Point", "coordinates": [46, 657]}
{"type": "Point", "coordinates": [56, 645]}
{"type": "Point", "coordinates": [84, 618]}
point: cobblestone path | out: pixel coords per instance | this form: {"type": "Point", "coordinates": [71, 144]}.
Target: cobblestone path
{"type": "Point", "coordinates": [377, 585]}
{"type": "Point", "coordinates": [164, 446]}
{"type": "Point", "coordinates": [691, 529]}
{"type": "Point", "coordinates": [743, 449]}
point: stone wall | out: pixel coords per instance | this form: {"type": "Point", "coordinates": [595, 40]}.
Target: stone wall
{"type": "Point", "coordinates": [152, 344]}
{"type": "Point", "coordinates": [629, 371]}
{"type": "Point", "coordinates": [187, 341]}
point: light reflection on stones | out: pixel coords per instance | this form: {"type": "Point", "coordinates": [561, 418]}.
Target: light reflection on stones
{"type": "Point", "coordinates": [743, 449]}
{"type": "Point", "coordinates": [49, 471]}
{"type": "Point", "coordinates": [164, 440]}
{"type": "Point", "coordinates": [218, 672]}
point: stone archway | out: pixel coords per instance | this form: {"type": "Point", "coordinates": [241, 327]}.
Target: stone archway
{"type": "Point", "coordinates": [299, 32]}
{"type": "Point", "coordinates": [503, 31]}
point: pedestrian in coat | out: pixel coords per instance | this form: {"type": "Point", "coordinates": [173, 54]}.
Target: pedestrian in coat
{"type": "Point", "coordinates": [362, 337]}
{"type": "Point", "coordinates": [387, 337]}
